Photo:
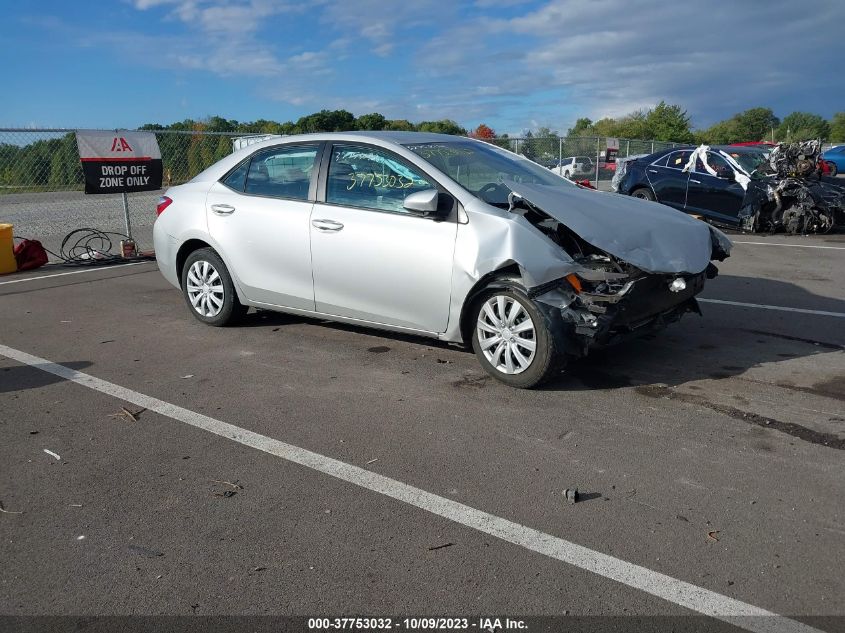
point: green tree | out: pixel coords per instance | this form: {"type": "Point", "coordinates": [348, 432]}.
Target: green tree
{"type": "Point", "coordinates": [800, 126]}
{"type": "Point", "coordinates": [399, 125]}
{"type": "Point", "coordinates": [373, 121]}
{"type": "Point", "coordinates": [528, 147]}
{"type": "Point", "coordinates": [668, 123]}
{"type": "Point", "coordinates": [837, 127]}
{"type": "Point", "coordinates": [444, 126]}
{"type": "Point", "coordinates": [582, 127]}
{"type": "Point", "coordinates": [327, 121]}
{"type": "Point", "coordinates": [754, 124]}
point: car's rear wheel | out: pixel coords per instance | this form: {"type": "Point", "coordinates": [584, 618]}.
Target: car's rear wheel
{"type": "Point", "coordinates": [512, 339]}
{"type": "Point", "coordinates": [208, 289]}
{"type": "Point", "coordinates": [643, 193]}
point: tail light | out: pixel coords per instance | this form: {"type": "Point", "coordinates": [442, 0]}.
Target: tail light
{"type": "Point", "coordinates": [163, 203]}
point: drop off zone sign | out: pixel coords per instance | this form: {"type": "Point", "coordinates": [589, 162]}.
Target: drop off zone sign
{"type": "Point", "coordinates": [119, 162]}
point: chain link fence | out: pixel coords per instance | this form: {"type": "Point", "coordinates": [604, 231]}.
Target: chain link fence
{"type": "Point", "coordinates": [42, 186]}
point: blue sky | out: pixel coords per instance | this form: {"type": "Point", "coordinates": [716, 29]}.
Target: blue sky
{"type": "Point", "coordinates": [513, 64]}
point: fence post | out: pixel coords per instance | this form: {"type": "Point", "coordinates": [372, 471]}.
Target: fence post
{"type": "Point", "coordinates": [627, 148]}
{"type": "Point", "coordinates": [598, 152]}
{"type": "Point", "coordinates": [559, 151]}
{"type": "Point", "coordinates": [652, 147]}
{"type": "Point", "coordinates": [516, 151]}
{"type": "Point", "coordinates": [126, 216]}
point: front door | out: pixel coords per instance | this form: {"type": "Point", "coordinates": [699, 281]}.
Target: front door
{"type": "Point", "coordinates": [718, 197]}
{"type": "Point", "coordinates": [373, 260]}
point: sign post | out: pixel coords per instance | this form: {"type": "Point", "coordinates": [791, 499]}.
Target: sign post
{"type": "Point", "coordinates": [120, 162]}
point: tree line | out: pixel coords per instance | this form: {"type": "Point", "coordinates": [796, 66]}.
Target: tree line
{"type": "Point", "coordinates": [54, 163]}
{"type": "Point", "coordinates": [671, 123]}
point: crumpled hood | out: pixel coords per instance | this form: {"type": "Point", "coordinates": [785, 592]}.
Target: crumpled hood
{"type": "Point", "coordinates": [651, 236]}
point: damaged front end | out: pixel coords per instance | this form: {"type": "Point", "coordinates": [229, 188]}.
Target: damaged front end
{"type": "Point", "coordinates": [607, 299]}
{"type": "Point", "coordinates": [793, 196]}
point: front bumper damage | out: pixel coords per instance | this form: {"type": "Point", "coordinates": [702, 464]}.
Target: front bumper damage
{"type": "Point", "coordinates": [633, 267]}
{"type": "Point", "coordinates": [794, 196]}
{"type": "Point", "coordinates": [590, 320]}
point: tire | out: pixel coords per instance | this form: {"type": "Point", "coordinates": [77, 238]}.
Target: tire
{"type": "Point", "coordinates": [643, 193]}
{"type": "Point", "coordinates": [208, 289]}
{"type": "Point", "coordinates": [833, 169]}
{"type": "Point", "coordinates": [516, 363]}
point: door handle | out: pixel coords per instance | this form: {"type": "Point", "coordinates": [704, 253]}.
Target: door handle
{"type": "Point", "coordinates": [698, 182]}
{"type": "Point", "coordinates": [652, 171]}
{"type": "Point", "coordinates": [222, 209]}
{"type": "Point", "coordinates": [326, 225]}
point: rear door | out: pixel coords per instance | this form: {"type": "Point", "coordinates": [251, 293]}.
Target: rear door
{"type": "Point", "coordinates": [717, 197]}
{"type": "Point", "coordinates": [259, 216]}
{"type": "Point", "coordinates": [667, 179]}
{"type": "Point", "coordinates": [373, 260]}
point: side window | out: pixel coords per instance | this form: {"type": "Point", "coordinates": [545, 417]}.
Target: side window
{"type": "Point", "coordinates": [237, 178]}
{"type": "Point", "coordinates": [369, 178]}
{"type": "Point", "coordinates": [716, 162]}
{"type": "Point", "coordinates": [281, 172]}
{"type": "Point", "coordinates": [676, 160]}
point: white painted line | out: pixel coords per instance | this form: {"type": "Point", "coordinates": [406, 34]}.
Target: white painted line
{"type": "Point", "coordinates": [681, 593]}
{"type": "Point", "coordinates": [762, 306]}
{"type": "Point", "coordinates": [74, 272]}
{"type": "Point", "coordinates": [835, 248]}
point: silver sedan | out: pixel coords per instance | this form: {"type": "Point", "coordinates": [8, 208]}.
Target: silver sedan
{"type": "Point", "coordinates": [435, 235]}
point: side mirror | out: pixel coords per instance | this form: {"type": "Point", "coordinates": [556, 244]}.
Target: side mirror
{"type": "Point", "coordinates": [428, 203]}
{"type": "Point", "coordinates": [726, 175]}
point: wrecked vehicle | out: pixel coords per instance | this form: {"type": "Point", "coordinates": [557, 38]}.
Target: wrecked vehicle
{"type": "Point", "coordinates": [433, 235]}
{"type": "Point", "coordinates": [751, 188]}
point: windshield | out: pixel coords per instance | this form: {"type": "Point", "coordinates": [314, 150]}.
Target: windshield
{"type": "Point", "coordinates": [752, 161]}
{"type": "Point", "coordinates": [485, 171]}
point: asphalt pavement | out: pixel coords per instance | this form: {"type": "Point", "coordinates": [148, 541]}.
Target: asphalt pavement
{"type": "Point", "coordinates": [295, 467]}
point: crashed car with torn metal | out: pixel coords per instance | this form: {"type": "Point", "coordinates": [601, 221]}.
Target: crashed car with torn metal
{"type": "Point", "coordinates": [750, 188]}
{"type": "Point", "coordinates": [436, 236]}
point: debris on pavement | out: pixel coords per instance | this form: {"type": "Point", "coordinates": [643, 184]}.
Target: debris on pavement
{"type": "Point", "coordinates": [372, 461]}
{"type": "Point", "coordinates": [5, 511]}
{"type": "Point", "coordinates": [188, 376]}
{"type": "Point", "coordinates": [234, 484]}
{"type": "Point", "coordinates": [571, 495]}
{"type": "Point", "coordinates": [52, 454]}
{"type": "Point", "coordinates": [713, 535]}
{"type": "Point", "coordinates": [225, 493]}
{"type": "Point", "coordinates": [124, 412]}
{"type": "Point", "coordinates": [431, 549]}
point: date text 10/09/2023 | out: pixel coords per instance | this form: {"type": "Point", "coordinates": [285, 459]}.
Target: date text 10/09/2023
{"type": "Point", "coordinates": [491, 624]}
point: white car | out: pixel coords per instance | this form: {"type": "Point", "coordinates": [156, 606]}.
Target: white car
{"type": "Point", "coordinates": [435, 235]}
{"type": "Point", "coordinates": [572, 166]}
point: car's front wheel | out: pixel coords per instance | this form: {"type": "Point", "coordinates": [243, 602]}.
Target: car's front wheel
{"type": "Point", "coordinates": [512, 339]}
{"type": "Point", "coordinates": [209, 290]}
{"type": "Point", "coordinates": [833, 169]}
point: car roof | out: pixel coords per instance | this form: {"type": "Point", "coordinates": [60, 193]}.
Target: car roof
{"type": "Point", "coordinates": [390, 136]}
{"type": "Point", "coordinates": [742, 149]}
